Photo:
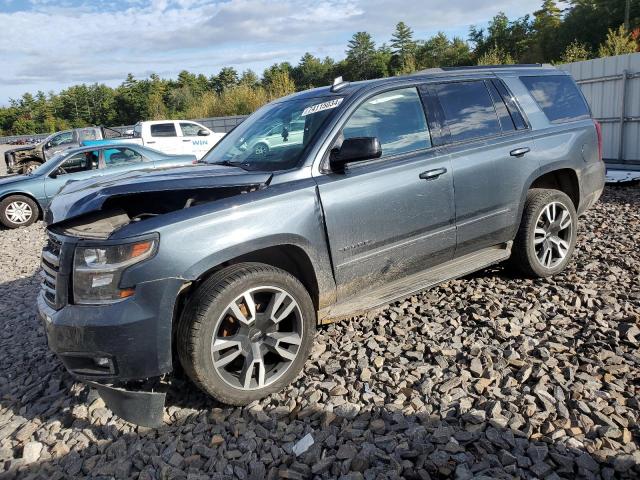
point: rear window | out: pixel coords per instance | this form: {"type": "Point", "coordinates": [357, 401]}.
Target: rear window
{"type": "Point", "coordinates": [163, 130]}
{"type": "Point", "coordinates": [558, 97]}
{"type": "Point", "coordinates": [468, 110]}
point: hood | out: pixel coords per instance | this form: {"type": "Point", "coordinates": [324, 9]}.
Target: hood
{"type": "Point", "coordinates": [11, 179]}
{"type": "Point", "coordinates": [24, 147]}
{"type": "Point", "coordinates": [82, 197]}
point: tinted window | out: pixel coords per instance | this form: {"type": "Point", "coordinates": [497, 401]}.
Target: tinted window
{"type": "Point", "coordinates": [121, 156]}
{"type": "Point", "coordinates": [501, 109]}
{"type": "Point", "coordinates": [163, 130]}
{"type": "Point", "coordinates": [396, 118]}
{"type": "Point", "coordinates": [190, 129]}
{"type": "Point", "coordinates": [468, 110]}
{"type": "Point", "coordinates": [558, 97]}
{"type": "Point", "coordinates": [511, 104]}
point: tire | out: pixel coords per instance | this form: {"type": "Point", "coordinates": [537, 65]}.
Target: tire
{"type": "Point", "coordinates": [18, 211]}
{"type": "Point", "coordinates": [261, 149]}
{"type": "Point", "coordinates": [215, 346]}
{"type": "Point", "coordinates": [543, 248]}
{"type": "Point", "coordinates": [30, 167]}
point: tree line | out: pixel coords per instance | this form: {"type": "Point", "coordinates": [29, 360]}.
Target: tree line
{"type": "Point", "coordinates": [585, 29]}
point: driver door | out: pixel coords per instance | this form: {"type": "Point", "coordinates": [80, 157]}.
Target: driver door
{"type": "Point", "coordinates": [390, 217]}
{"type": "Point", "coordinates": [77, 167]}
{"type": "Point", "coordinates": [192, 142]}
{"type": "Point", "coordinates": [60, 142]}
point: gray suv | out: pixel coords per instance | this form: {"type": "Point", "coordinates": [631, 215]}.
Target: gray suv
{"type": "Point", "coordinates": [226, 267]}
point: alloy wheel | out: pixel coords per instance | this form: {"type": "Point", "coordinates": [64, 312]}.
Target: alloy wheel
{"type": "Point", "coordinates": [18, 212]}
{"type": "Point", "coordinates": [257, 338]}
{"type": "Point", "coordinates": [552, 234]}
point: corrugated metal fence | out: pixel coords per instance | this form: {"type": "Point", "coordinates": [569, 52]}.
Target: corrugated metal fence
{"type": "Point", "coordinates": [217, 124]}
{"type": "Point", "coordinates": [612, 88]}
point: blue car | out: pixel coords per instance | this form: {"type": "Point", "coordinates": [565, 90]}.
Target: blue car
{"type": "Point", "coordinates": [23, 198]}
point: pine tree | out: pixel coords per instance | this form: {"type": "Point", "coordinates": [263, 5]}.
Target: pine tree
{"type": "Point", "coordinates": [546, 24]}
{"type": "Point", "coordinates": [361, 53]}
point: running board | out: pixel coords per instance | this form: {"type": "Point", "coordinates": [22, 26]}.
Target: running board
{"type": "Point", "coordinates": [423, 280]}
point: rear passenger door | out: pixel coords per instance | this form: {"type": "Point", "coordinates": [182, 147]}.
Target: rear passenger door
{"type": "Point", "coordinates": [492, 156]}
{"type": "Point", "coordinates": [392, 216]}
{"type": "Point", "coordinates": [164, 137]}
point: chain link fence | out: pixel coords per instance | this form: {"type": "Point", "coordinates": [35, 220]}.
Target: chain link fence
{"type": "Point", "coordinates": [217, 124]}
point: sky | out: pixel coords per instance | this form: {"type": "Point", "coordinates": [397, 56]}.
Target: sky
{"type": "Point", "coordinates": [52, 44]}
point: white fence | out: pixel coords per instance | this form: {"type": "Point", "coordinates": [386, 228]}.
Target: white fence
{"type": "Point", "coordinates": [612, 88]}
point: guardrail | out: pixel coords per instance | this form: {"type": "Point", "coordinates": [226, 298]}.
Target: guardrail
{"type": "Point", "coordinates": [217, 124]}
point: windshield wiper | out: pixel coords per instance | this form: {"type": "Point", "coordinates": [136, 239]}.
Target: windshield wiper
{"type": "Point", "coordinates": [230, 163]}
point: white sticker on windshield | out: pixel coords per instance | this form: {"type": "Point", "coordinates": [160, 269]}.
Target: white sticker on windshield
{"type": "Point", "coordinates": [321, 106]}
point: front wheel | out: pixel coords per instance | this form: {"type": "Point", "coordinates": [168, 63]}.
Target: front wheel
{"type": "Point", "coordinates": [547, 234]}
{"type": "Point", "coordinates": [18, 211]}
{"type": "Point", "coordinates": [246, 332]}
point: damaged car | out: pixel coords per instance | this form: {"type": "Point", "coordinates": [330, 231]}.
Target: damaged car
{"type": "Point", "coordinates": [225, 268]}
{"type": "Point", "coordinates": [24, 198]}
{"type": "Point", "coordinates": [27, 158]}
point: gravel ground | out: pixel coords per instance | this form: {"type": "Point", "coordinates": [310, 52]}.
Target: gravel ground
{"type": "Point", "coordinates": [489, 376]}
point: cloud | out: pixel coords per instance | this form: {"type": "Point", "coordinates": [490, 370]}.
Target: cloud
{"type": "Point", "coordinates": [49, 43]}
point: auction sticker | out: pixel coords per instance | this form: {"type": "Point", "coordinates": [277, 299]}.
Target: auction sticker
{"type": "Point", "coordinates": [321, 106]}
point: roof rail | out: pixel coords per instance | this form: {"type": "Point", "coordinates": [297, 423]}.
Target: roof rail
{"type": "Point", "coordinates": [484, 67]}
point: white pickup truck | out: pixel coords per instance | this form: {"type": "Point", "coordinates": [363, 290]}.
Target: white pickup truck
{"type": "Point", "coordinates": [169, 136]}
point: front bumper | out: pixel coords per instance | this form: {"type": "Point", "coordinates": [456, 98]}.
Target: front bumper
{"type": "Point", "coordinates": [132, 338]}
{"type": "Point", "coordinates": [133, 335]}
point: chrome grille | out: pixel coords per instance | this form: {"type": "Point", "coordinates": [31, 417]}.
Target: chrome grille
{"type": "Point", "coordinates": [50, 269]}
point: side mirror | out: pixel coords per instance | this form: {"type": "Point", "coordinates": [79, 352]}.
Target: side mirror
{"type": "Point", "coordinates": [47, 145]}
{"type": "Point", "coordinates": [354, 150]}
{"type": "Point", "coordinates": [203, 133]}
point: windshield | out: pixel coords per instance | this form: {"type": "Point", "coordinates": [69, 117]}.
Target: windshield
{"type": "Point", "coordinates": [275, 136]}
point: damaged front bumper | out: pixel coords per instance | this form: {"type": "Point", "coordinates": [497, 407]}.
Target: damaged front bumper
{"type": "Point", "coordinates": [108, 345]}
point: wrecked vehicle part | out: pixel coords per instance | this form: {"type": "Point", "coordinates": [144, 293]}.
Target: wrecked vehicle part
{"type": "Point", "coordinates": [122, 210]}
{"type": "Point", "coordinates": [139, 406]}
{"type": "Point", "coordinates": [616, 175]}
{"type": "Point", "coordinates": [80, 198]}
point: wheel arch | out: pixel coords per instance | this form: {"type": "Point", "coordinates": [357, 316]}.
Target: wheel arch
{"type": "Point", "coordinates": [563, 179]}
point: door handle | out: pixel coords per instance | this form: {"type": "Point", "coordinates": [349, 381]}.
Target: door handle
{"type": "Point", "coordinates": [431, 174]}
{"type": "Point", "coordinates": [152, 141]}
{"type": "Point", "coordinates": [519, 152]}
{"type": "Point", "coordinates": [186, 140]}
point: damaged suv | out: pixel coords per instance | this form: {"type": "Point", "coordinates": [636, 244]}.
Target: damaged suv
{"type": "Point", "coordinates": [227, 267]}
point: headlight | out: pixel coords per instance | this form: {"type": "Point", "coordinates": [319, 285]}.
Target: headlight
{"type": "Point", "coordinates": [97, 270]}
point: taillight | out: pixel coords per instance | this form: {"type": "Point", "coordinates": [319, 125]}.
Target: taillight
{"type": "Point", "coordinates": [599, 132]}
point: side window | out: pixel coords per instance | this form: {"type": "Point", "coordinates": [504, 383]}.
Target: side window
{"type": "Point", "coordinates": [88, 134]}
{"type": "Point", "coordinates": [163, 130]}
{"type": "Point", "coordinates": [558, 97]}
{"type": "Point", "coordinates": [189, 129]}
{"type": "Point", "coordinates": [121, 156]}
{"type": "Point", "coordinates": [506, 122]}
{"type": "Point", "coordinates": [79, 162]}
{"type": "Point", "coordinates": [62, 139]}
{"type": "Point", "coordinates": [511, 104]}
{"type": "Point", "coordinates": [468, 110]}
{"type": "Point", "coordinates": [137, 131]}
{"type": "Point", "coordinates": [396, 118]}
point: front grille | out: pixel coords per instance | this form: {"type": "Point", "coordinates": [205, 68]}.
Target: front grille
{"type": "Point", "coordinates": [50, 270]}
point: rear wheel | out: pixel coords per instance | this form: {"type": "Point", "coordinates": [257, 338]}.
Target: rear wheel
{"type": "Point", "coordinates": [547, 234]}
{"type": "Point", "coordinates": [18, 211]}
{"type": "Point", "coordinates": [246, 332]}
